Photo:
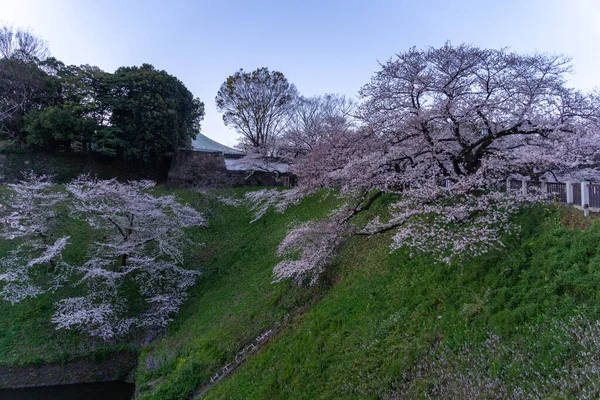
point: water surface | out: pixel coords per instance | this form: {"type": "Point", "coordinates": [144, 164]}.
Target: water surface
{"type": "Point", "coordinates": [80, 391]}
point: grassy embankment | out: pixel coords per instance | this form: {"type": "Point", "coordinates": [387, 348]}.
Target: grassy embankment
{"type": "Point", "coordinates": [232, 303]}
{"type": "Point", "coordinates": [382, 318]}
{"type": "Point", "coordinates": [385, 317]}
{"type": "Point", "coordinates": [378, 331]}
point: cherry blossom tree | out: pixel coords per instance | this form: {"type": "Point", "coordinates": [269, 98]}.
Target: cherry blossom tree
{"type": "Point", "coordinates": [266, 158]}
{"type": "Point", "coordinates": [441, 130]}
{"type": "Point", "coordinates": [136, 265]}
{"type": "Point", "coordinates": [316, 242]}
{"type": "Point", "coordinates": [142, 245]}
{"type": "Point", "coordinates": [28, 220]}
{"type": "Point", "coordinates": [312, 120]}
{"type": "Point", "coordinates": [309, 122]}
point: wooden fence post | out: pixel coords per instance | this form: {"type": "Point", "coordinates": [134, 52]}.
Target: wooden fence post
{"type": "Point", "coordinates": [524, 187]}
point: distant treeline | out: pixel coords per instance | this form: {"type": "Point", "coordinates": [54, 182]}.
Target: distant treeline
{"type": "Point", "coordinates": [137, 114]}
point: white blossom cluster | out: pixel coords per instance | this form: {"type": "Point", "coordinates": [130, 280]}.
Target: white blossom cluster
{"type": "Point", "coordinates": [142, 246]}
{"type": "Point", "coordinates": [308, 249]}
{"type": "Point", "coordinates": [27, 219]}
{"type": "Point", "coordinates": [261, 201]}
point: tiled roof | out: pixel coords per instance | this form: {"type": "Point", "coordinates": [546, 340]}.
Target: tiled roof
{"type": "Point", "coordinates": [206, 144]}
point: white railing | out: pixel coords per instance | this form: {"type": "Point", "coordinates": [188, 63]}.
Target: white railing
{"type": "Point", "coordinates": [583, 195]}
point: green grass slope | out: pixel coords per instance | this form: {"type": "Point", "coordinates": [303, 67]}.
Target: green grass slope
{"type": "Point", "coordinates": [380, 325]}
{"type": "Point", "coordinates": [380, 315]}
{"type": "Point", "coordinates": [234, 300]}
{"type": "Point", "coordinates": [368, 336]}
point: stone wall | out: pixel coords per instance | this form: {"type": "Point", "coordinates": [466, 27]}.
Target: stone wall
{"type": "Point", "coordinates": [63, 167]}
{"type": "Point", "coordinates": [192, 169]}
{"type": "Point", "coordinates": [189, 169]}
{"type": "Point", "coordinates": [116, 367]}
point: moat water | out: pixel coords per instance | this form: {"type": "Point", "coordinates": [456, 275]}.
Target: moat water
{"type": "Point", "coordinates": [81, 391]}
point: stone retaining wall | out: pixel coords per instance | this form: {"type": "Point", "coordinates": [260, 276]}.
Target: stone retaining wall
{"type": "Point", "coordinates": [193, 169]}
{"type": "Point", "coordinates": [63, 167]}
{"type": "Point", "coordinates": [189, 169]}
{"type": "Point", "coordinates": [116, 367]}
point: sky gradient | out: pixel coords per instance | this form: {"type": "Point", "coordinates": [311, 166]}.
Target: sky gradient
{"type": "Point", "coordinates": [325, 46]}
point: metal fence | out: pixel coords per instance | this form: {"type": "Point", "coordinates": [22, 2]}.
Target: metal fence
{"type": "Point", "coordinates": [576, 194]}
{"type": "Point", "coordinates": [558, 190]}
{"type": "Point", "coordinates": [594, 196]}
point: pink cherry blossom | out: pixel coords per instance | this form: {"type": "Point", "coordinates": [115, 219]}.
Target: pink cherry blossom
{"type": "Point", "coordinates": [441, 130]}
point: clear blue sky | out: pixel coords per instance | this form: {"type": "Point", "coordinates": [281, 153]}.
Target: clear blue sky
{"type": "Point", "coordinates": [322, 46]}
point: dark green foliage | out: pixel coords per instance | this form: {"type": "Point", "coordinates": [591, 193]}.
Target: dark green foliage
{"type": "Point", "coordinates": [24, 86]}
{"type": "Point", "coordinates": [109, 140]}
{"type": "Point", "coordinates": [137, 114]}
{"type": "Point", "coordinates": [152, 113]}
{"type": "Point", "coordinates": [57, 128]}
{"type": "Point", "coordinates": [70, 113]}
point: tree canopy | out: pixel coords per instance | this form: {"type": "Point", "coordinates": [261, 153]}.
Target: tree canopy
{"type": "Point", "coordinates": [21, 43]}
{"type": "Point", "coordinates": [137, 113]}
{"type": "Point", "coordinates": [256, 104]}
{"type": "Point", "coordinates": [24, 86]}
{"type": "Point", "coordinates": [152, 112]}
{"type": "Point", "coordinates": [141, 247]}
{"type": "Point", "coordinates": [442, 128]}
{"type": "Point", "coordinates": [312, 120]}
